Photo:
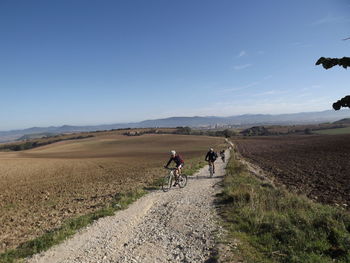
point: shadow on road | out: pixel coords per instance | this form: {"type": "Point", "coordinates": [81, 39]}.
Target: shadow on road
{"type": "Point", "coordinates": [204, 177]}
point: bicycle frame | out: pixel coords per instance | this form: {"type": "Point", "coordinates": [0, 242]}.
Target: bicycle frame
{"type": "Point", "coordinates": [168, 180]}
{"type": "Point", "coordinates": [171, 171]}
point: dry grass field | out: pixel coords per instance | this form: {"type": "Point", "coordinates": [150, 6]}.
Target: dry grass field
{"type": "Point", "coordinates": [42, 187]}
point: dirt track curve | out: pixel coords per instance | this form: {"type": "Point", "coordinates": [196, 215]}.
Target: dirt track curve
{"type": "Point", "coordinates": [177, 226]}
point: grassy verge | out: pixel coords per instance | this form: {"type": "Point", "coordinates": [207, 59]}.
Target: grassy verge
{"type": "Point", "coordinates": [68, 229]}
{"type": "Point", "coordinates": [192, 167]}
{"type": "Point", "coordinates": [273, 225]}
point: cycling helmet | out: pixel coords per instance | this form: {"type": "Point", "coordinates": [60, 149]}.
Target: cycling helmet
{"type": "Point", "coordinates": [173, 152]}
{"type": "Point", "coordinates": [211, 149]}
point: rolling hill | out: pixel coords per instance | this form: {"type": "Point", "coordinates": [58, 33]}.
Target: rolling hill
{"type": "Point", "coordinates": [196, 121]}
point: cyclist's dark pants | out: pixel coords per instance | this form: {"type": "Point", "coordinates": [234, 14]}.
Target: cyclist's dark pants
{"type": "Point", "coordinates": [213, 164]}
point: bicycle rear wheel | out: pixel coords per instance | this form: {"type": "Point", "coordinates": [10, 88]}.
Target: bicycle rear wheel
{"type": "Point", "coordinates": [167, 182]}
{"type": "Point", "coordinates": [211, 170]}
{"type": "Point", "coordinates": [182, 180]}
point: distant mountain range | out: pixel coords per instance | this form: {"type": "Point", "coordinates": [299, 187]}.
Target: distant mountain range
{"type": "Point", "coordinates": [204, 122]}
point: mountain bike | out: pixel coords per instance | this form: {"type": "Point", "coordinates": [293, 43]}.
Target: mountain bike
{"type": "Point", "coordinates": [222, 155]}
{"type": "Point", "coordinates": [169, 179]}
{"type": "Point", "coordinates": [211, 169]}
{"type": "Point", "coordinates": [223, 158]}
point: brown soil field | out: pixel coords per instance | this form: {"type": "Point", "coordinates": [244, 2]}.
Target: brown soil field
{"type": "Point", "coordinates": [42, 187]}
{"type": "Point", "coordinates": [317, 166]}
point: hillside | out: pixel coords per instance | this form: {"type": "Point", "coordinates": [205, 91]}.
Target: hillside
{"type": "Point", "coordinates": [196, 121]}
{"type": "Point", "coordinates": [343, 121]}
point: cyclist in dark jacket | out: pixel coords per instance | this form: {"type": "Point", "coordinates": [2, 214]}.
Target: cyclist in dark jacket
{"type": "Point", "coordinates": [178, 161]}
{"type": "Point", "coordinates": [222, 154]}
{"type": "Point", "coordinates": [211, 158]}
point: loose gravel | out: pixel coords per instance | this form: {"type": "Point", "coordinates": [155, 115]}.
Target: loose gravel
{"type": "Point", "coordinates": [177, 226]}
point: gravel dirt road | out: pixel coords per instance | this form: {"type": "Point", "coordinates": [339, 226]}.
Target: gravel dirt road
{"type": "Point", "coordinates": [177, 226]}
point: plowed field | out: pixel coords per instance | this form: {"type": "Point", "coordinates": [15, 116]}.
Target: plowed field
{"type": "Point", "coordinates": [318, 166]}
{"type": "Point", "coordinates": [42, 187]}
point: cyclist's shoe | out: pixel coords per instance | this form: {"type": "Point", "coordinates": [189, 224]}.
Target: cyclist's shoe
{"type": "Point", "coordinates": [175, 184]}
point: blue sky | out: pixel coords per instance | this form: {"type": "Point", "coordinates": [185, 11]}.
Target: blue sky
{"type": "Point", "coordinates": [95, 62]}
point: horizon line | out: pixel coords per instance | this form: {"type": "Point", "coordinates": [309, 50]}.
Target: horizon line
{"type": "Point", "coordinates": [135, 122]}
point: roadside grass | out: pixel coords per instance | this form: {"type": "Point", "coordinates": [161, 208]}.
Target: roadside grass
{"type": "Point", "coordinates": [69, 228]}
{"type": "Point", "coordinates": [345, 130]}
{"type": "Point", "coordinates": [274, 225]}
{"type": "Point", "coordinates": [193, 166]}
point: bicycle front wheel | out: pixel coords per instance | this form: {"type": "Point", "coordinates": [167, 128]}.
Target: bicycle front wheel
{"type": "Point", "coordinates": [167, 181]}
{"type": "Point", "coordinates": [182, 180]}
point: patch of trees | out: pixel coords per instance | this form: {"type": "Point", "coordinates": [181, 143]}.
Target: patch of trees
{"type": "Point", "coordinates": [179, 130]}
{"type": "Point", "coordinates": [183, 130]}
{"type": "Point", "coordinates": [139, 133]}
{"type": "Point", "coordinates": [256, 131]}
{"type": "Point", "coordinates": [227, 133]}
{"type": "Point", "coordinates": [308, 131]}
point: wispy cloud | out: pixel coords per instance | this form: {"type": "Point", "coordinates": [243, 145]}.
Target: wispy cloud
{"type": "Point", "coordinates": [271, 92]}
{"type": "Point", "coordinates": [305, 94]}
{"type": "Point", "coordinates": [244, 66]}
{"type": "Point", "coordinates": [299, 44]}
{"type": "Point", "coordinates": [329, 19]}
{"type": "Point", "coordinates": [242, 53]}
{"type": "Point", "coordinates": [275, 106]}
{"type": "Point", "coordinates": [312, 87]}
{"type": "Point", "coordinates": [249, 85]}
{"type": "Point", "coordinates": [254, 105]}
